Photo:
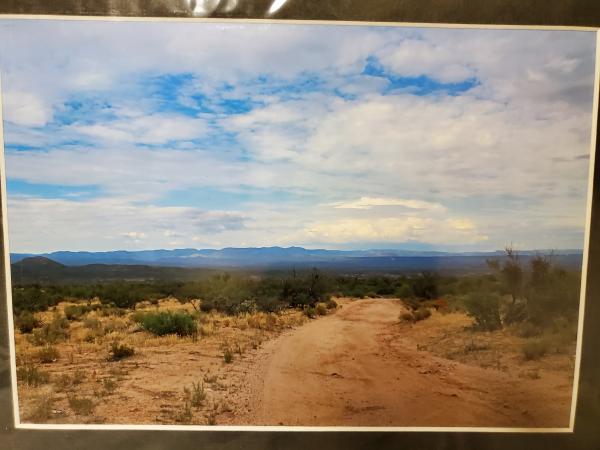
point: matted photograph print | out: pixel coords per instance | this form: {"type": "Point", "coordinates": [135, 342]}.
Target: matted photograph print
{"type": "Point", "coordinates": [295, 225]}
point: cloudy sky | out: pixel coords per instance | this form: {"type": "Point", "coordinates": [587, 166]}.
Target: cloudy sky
{"type": "Point", "coordinates": [170, 135]}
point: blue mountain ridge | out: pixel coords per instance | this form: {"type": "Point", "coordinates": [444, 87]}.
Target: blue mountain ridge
{"type": "Point", "coordinates": [266, 256]}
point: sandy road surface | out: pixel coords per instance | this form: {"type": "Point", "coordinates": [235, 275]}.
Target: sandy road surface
{"type": "Point", "coordinates": [354, 368]}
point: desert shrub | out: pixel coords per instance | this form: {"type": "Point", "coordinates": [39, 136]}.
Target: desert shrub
{"type": "Point", "coordinates": [270, 322]}
{"type": "Point", "coordinates": [421, 314]}
{"type": "Point", "coordinates": [269, 304]}
{"type": "Point", "coordinates": [51, 333]}
{"type": "Point", "coordinates": [43, 408]}
{"type": "Point", "coordinates": [47, 354]}
{"type": "Point", "coordinates": [331, 304]}
{"type": "Point", "coordinates": [528, 330]}
{"type": "Point", "coordinates": [535, 349]}
{"type": "Point", "coordinates": [26, 322]}
{"type": "Point", "coordinates": [425, 286]}
{"type": "Point", "coordinates": [406, 316]}
{"type": "Point", "coordinates": [412, 303]}
{"type": "Point", "coordinates": [31, 376]}
{"type": "Point", "coordinates": [113, 325]}
{"type": "Point", "coordinates": [309, 312]}
{"type": "Point", "coordinates": [76, 312]}
{"type": "Point", "coordinates": [196, 395]}
{"type": "Point", "coordinates": [109, 385]}
{"type": "Point", "coordinates": [81, 405]}
{"type": "Point", "coordinates": [120, 351]}
{"type": "Point", "coordinates": [484, 307]}
{"type": "Point", "coordinates": [404, 291]}
{"type": "Point", "coordinates": [185, 415]}
{"type": "Point", "coordinates": [321, 309]}
{"type": "Point", "coordinates": [227, 355]}
{"type": "Point", "coordinates": [92, 323]}
{"type": "Point", "coordinates": [167, 322]}
{"type": "Point", "coordinates": [112, 310]}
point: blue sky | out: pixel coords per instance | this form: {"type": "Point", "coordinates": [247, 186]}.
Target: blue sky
{"type": "Point", "coordinates": [162, 135]}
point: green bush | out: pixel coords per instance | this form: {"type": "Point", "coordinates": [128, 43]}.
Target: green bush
{"type": "Point", "coordinates": [120, 351]}
{"type": "Point", "coordinates": [26, 322]}
{"type": "Point", "coordinates": [404, 291]}
{"type": "Point", "coordinates": [167, 322]}
{"type": "Point", "coordinates": [425, 286]}
{"type": "Point", "coordinates": [484, 307]}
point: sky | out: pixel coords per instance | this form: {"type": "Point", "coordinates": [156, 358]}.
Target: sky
{"type": "Point", "coordinates": [146, 135]}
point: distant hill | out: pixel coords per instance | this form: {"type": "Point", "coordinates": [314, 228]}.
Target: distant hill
{"type": "Point", "coordinates": [275, 256]}
{"type": "Point", "coordinates": [39, 269]}
{"type": "Point", "coordinates": [189, 264]}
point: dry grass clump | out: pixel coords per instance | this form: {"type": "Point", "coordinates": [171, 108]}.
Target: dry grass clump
{"type": "Point", "coordinates": [50, 333]}
{"type": "Point", "coordinates": [31, 376]}
{"type": "Point", "coordinates": [81, 405]}
{"type": "Point", "coordinates": [195, 395]}
{"type": "Point", "coordinates": [43, 409]}
{"type": "Point", "coordinates": [419, 314]}
{"type": "Point", "coordinates": [321, 309]}
{"type": "Point", "coordinates": [47, 354]}
{"type": "Point", "coordinates": [120, 351]}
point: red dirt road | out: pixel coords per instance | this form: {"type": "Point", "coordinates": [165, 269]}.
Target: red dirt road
{"type": "Point", "coordinates": [354, 368]}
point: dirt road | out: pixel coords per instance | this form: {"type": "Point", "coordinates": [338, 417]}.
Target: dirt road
{"type": "Point", "coordinates": [355, 368]}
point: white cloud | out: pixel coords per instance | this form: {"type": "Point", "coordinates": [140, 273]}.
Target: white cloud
{"type": "Point", "coordinates": [413, 58]}
{"type": "Point", "coordinates": [151, 129]}
{"type": "Point", "coordinates": [391, 229]}
{"type": "Point", "coordinates": [25, 108]}
{"type": "Point", "coordinates": [370, 202]}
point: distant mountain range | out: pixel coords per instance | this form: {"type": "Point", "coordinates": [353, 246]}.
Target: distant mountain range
{"type": "Point", "coordinates": [170, 263]}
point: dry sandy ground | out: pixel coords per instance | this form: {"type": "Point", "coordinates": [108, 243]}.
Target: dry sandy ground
{"type": "Point", "coordinates": [355, 368]}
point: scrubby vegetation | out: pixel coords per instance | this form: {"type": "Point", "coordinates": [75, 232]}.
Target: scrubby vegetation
{"type": "Point", "coordinates": [161, 323]}
{"type": "Point", "coordinates": [120, 351]}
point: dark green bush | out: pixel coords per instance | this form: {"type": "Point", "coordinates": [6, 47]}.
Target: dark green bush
{"type": "Point", "coordinates": [26, 322]}
{"type": "Point", "coordinates": [484, 307]}
{"type": "Point", "coordinates": [167, 322]}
